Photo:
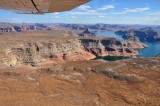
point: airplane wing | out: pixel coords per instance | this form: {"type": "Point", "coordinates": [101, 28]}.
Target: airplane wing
{"type": "Point", "coordinates": [40, 6]}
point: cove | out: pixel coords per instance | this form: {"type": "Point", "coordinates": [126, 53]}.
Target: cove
{"type": "Point", "coordinates": [152, 51]}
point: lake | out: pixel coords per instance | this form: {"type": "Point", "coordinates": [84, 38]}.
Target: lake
{"type": "Point", "coordinates": [111, 58]}
{"type": "Point", "coordinates": [109, 34]}
{"type": "Point", "coordinates": [151, 51]}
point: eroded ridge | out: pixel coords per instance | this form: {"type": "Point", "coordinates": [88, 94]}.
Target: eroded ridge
{"type": "Point", "coordinates": [83, 83]}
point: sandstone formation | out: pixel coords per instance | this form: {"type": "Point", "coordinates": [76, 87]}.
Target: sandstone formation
{"type": "Point", "coordinates": [128, 32]}
{"type": "Point", "coordinates": [37, 49]}
{"type": "Point", "coordinates": [95, 27]}
{"type": "Point", "coordinates": [46, 52]}
{"type": "Point", "coordinates": [23, 27]}
{"type": "Point", "coordinates": [158, 55]}
{"type": "Point", "coordinates": [53, 68]}
{"type": "Point", "coordinates": [111, 47]}
{"type": "Point", "coordinates": [144, 34]}
{"type": "Point", "coordinates": [87, 33]}
{"type": "Point", "coordinates": [74, 27]}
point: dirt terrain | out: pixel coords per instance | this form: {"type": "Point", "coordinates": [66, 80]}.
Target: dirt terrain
{"type": "Point", "coordinates": [74, 81]}
{"type": "Point", "coordinates": [133, 82]}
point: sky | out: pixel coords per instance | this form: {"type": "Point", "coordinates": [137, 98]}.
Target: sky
{"type": "Point", "coordinates": [145, 12]}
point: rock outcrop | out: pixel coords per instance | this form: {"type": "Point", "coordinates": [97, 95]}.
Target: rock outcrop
{"type": "Point", "coordinates": [133, 82]}
{"type": "Point", "coordinates": [43, 52]}
{"type": "Point", "coordinates": [87, 33]}
{"type": "Point", "coordinates": [158, 55]}
{"type": "Point", "coordinates": [94, 27]}
{"type": "Point", "coordinates": [60, 46]}
{"type": "Point", "coordinates": [144, 34]}
{"type": "Point", "coordinates": [70, 50]}
{"type": "Point", "coordinates": [129, 32]}
{"type": "Point", "coordinates": [111, 47]}
{"type": "Point", "coordinates": [24, 28]}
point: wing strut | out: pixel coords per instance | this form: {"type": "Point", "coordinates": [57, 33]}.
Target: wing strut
{"type": "Point", "coordinates": [35, 5]}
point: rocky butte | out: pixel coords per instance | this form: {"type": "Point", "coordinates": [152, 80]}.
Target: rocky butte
{"type": "Point", "coordinates": [54, 67]}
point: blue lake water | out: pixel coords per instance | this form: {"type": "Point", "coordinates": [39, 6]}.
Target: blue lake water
{"type": "Point", "coordinates": [151, 51]}
{"type": "Point", "coordinates": [111, 58]}
{"type": "Point", "coordinates": [108, 34]}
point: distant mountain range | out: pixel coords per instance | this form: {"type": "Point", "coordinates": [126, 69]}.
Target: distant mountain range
{"type": "Point", "coordinates": [8, 27]}
{"type": "Point", "coordinates": [143, 32]}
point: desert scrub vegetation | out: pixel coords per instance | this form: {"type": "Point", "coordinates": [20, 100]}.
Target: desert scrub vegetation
{"type": "Point", "coordinates": [55, 69]}
{"type": "Point", "coordinates": [124, 77]}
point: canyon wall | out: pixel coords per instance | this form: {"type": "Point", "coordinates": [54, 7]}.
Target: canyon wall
{"type": "Point", "coordinates": [112, 47]}
{"type": "Point", "coordinates": [47, 52]}
{"type": "Point", "coordinates": [143, 34]}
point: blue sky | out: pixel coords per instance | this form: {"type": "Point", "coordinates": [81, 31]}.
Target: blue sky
{"type": "Point", "coordinates": [97, 11]}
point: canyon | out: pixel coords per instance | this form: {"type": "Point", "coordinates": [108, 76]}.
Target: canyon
{"type": "Point", "coordinates": [56, 67]}
{"type": "Point", "coordinates": [52, 47]}
{"type": "Point", "coordinates": [144, 34]}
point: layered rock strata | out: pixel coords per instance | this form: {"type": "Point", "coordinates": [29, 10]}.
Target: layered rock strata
{"type": "Point", "coordinates": [48, 52]}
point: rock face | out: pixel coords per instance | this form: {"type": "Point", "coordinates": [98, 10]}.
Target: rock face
{"type": "Point", "coordinates": [5, 29]}
{"type": "Point", "coordinates": [158, 55]}
{"type": "Point", "coordinates": [144, 34]}
{"type": "Point", "coordinates": [60, 46]}
{"type": "Point", "coordinates": [43, 52]}
{"type": "Point", "coordinates": [131, 82]}
{"type": "Point", "coordinates": [71, 50]}
{"type": "Point", "coordinates": [87, 33]}
{"type": "Point", "coordinates": [75, 27]}
{"type": "Point", "coordinates": [111, 47]}
{"type": "Point", "coordinates": [92, 26]}
{"type": "Point", "coordinates": [25, 27]}
{"type": "Point", "coordinates": [129, 32]}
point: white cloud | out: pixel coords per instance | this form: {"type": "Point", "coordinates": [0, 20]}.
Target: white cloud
{"type": "Point", "coordinates": [86, 13]}
{"type": "Point", "coordinates": [135, 10]}
{"type": "Point", "coordinates": [91, 11]}
{"type": "Point", "coordinates": [56, 13]}
{"type": "Point", "coordinates": [106, 7]}
{"type": "Point", "coordinates": [73, 17]}
{"type": "Point", "coordinates": [119, 12]}
{"type": "Point", "coordinates": [14, 20]}
{"type": "Point", "coordinates": [84, 7]}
